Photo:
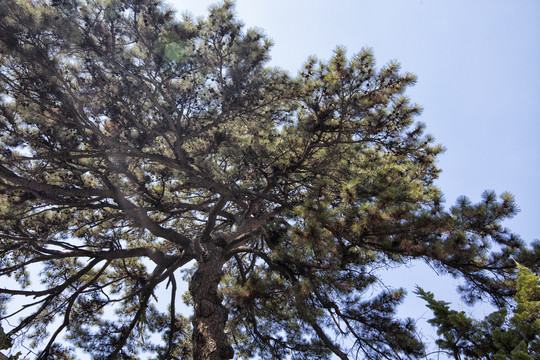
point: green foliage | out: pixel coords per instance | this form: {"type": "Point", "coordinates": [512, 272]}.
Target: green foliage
{"type": "Point", "coordinates": [5, 341]}
{"type": "Point", "coordinates": [498, 336]}
{"type": "Point", "coordinates": [135, 144]}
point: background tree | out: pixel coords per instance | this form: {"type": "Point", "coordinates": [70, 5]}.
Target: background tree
{"type": "Point", "coordinates": [498, 336]}
{"type": "Point", "coordinates": [136, 145]}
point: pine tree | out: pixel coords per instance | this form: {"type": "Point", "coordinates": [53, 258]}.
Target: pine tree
{"type": "Point", "coordinates": [498, 336]}
{"type": "Point", "coordinates": [135, 145]}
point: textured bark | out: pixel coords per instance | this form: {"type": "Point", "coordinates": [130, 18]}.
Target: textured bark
{"type": "Point", "coordinates": [209, 338]}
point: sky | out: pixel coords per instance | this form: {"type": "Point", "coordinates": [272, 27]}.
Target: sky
{"type": "Point", "coordinates": [477, 63]}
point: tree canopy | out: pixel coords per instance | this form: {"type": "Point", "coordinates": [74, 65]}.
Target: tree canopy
{"type": "Point", "coordinates": [498, 336]}
{"type": "Point", "coordinates": [136, 145]}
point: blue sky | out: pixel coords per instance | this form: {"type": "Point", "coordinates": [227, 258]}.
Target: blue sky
{"type": "Point", "coordinates": [478, 72]}
{"type": "Point", "coordinates": [478, 68]}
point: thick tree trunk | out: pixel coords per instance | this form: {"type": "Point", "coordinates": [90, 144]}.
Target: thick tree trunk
{"type": "Point", "coordinates": [210, 316]}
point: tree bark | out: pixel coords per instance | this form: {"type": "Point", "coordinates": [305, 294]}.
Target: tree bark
{"type": "Point", "coordinates": [209, 318]}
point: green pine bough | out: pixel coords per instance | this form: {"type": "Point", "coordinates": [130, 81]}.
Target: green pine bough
{"type": "Point", "coordinates": [498, 336]}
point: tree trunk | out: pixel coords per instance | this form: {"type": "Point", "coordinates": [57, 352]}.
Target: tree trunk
{"type": "Point", "coordinates": [210, 316]}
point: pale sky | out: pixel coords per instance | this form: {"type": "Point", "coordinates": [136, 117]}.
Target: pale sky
{"type": "Point", "coordinates": [478, 68]}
